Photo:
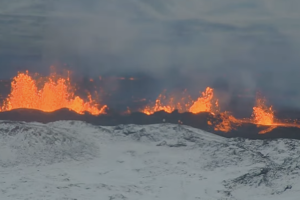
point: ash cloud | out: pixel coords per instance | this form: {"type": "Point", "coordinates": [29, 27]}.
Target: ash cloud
{"type": "Point", "coordinates": [236, 47]}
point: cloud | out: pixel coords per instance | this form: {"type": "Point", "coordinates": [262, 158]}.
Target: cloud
{"type": "Point", "coordinates": [192, 42]}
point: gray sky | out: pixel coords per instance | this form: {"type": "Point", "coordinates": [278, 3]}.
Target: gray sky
{"type": "Point", "coordinates": [251, 44]}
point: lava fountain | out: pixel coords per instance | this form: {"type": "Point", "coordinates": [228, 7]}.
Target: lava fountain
{"type": "Point", "coordinates": [205, 103]}
{"type": "Point", "coordinates": [262, 116]}
{"type": "Point", "coordinates": [56, 93]}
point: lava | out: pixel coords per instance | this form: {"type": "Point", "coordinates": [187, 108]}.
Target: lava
{"type": "Point", "coordinates": [205, 103]}
{"type": "Point", "coordinates": [162, 103]}
{"type": "Point", "coordinates": [262, 115]}
{"type": "Point", "coordinates": [56, 93]}
{"type": "Point", "coordinates": [228, 122]}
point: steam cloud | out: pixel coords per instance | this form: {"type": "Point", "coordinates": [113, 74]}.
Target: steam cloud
{"type": "Point", "coordinates": [232, 45]}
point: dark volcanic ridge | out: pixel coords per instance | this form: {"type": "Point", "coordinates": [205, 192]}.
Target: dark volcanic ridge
{"type": "Point", "coordinates": [200, 120]}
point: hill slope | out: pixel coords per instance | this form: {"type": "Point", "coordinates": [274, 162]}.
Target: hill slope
{"type": "Point", "coordinates": [75, 160]}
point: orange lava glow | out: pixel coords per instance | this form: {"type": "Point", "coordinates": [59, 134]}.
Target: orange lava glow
{"type": "Point", "coordinates": [205, 103]}
{"type": "Point", "coordinates": [228, 122]}
{"type": "Point", "coordinates": [162, 103]}
{"type": "Point", "coordinates": [262, 114]}
{"type": "Point", "coordinates": [56, 93]}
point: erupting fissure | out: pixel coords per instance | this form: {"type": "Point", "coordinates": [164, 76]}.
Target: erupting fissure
{"type": "Point", "coordinates": [55, 92]}
{"type": "Point", "coordinates": [205, 103]}
{"type": "Point", "coordinates": [262, 116]}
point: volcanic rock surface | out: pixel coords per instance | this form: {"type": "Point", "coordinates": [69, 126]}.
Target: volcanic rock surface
{"type": "Point", "coordinates": [200, 120]}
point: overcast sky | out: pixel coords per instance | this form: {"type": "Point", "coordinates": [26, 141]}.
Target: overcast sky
{"type": "Point", "coordinates": [243, 43]}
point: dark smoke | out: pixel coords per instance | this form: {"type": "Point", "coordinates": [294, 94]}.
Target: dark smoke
{"type": "Point", "coordinates": [237, 47]}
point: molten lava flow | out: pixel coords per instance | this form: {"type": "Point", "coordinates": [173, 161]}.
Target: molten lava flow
{"type": "Point", "coordinates": [205, 103]}
{"type": "Point", "coordinates": [162, 103]}
{"type": "Point", "coordinates": [55, 94]}
{"type": "Point", "coordinates": [262, 114]}
{"type": "Point", "coordinates": [227, 122]}
{"type": "Point", "coordinates": [269, 129]}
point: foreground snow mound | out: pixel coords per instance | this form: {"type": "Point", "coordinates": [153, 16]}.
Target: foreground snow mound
{"type": "Point", "coordinates": [160, 161]}
{"type": "Point", "coordinates": [35, 144]}
{"type": "Point", "coordinates": [274, 169]}
{"type": "Point", "coordinates": [166, 133]}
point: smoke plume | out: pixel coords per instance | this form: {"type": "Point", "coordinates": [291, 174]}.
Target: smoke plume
{"type": "Point", "coordinates": [236, 47]}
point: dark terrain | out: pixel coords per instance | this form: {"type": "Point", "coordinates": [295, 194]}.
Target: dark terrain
{"type": "Point", "coordinates": [250, 131]}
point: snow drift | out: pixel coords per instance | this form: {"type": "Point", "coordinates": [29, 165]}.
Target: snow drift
{"type": "Point", "coordinates": [34, 143]}
{"type": "Point", "coordinates": [77, 160]}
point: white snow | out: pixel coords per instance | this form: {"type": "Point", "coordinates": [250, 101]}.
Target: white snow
{"type": "Point", "coordinates": [68, 160]}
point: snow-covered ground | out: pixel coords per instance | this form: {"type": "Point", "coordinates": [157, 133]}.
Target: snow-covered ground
{"type": "Point", "coordinates": [70, 160]}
